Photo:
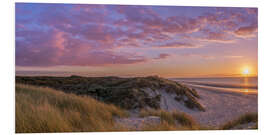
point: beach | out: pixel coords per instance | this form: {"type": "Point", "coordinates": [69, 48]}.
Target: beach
{"type": "Point", "coordinates": [223, 106]}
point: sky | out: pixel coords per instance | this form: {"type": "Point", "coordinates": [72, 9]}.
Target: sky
{"type": "Point", "coordinates": [124, 40]}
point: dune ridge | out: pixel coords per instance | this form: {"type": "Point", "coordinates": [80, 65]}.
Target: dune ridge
{"type": "Point", "coordinates": [127, 93]}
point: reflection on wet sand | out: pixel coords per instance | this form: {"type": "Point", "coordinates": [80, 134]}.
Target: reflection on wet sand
{"type": "Point", "coordinates": [246, 90]}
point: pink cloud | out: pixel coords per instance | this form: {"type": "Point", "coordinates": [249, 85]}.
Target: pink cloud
{"type": "Point", "coordinates": [252, 11]}
{"type": "Point", "coordinates": [162, 56]}
{"type": "Point", "coordinates": [177, 45]}
{"type": "Point", "coordinates": [158, 28]}
{"type": "Point", "coordinates": [218, 37]}
{"type": "Point", "coordinates": [234, 56]}
{"type": "Point", "coordinates": [246, 31]}
{"type": "Point", "coordinates": [101, 58]}
{"type": "Point", "coordinates": [59, 48]}
{"type": "Point", "coordinates": [201, 56]}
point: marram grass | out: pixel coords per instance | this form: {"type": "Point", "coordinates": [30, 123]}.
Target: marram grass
{"type": "Point", "coordinates": [46, 110]}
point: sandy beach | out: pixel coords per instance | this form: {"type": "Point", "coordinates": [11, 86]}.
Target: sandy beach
{"type": "Point", "coordinates": [223, 106]}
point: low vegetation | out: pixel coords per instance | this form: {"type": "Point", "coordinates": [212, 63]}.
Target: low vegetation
{"type": "Point", "coordinates": [244, 119]}
{"type": "Point", "coordinates": [47, 110]}
{"type": "Point", "coordinates": [127, 93]}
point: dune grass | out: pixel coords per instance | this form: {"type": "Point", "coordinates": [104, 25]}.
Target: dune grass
{"type": "Point", "coordinates": [243, 119]}
{"type": "Point", "coordinates": [46, 110]}
{"type": "Point", "coordinates": [170, 120]}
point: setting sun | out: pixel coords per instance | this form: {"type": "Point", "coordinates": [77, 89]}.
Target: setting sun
{"type": "Point", "coordinates": [245, 71]}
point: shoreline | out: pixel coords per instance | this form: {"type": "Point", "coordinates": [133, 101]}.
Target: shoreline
{"type": "Point", "coordinates": [223, 90]}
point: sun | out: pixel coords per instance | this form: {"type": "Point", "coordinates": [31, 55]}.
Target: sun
{"type": "Point", "coordinates": [245, 71]}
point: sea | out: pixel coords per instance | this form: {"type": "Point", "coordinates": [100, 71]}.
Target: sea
{"type": "Point", "coordinates": [237, 84]}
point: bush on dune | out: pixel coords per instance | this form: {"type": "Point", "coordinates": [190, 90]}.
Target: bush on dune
{"type": "Point", "coordinates": [47, 110]}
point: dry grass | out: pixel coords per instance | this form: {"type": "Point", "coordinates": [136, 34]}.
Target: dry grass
{"type": "Point", "coordinates": [171, 120]}
{"type": "Point", "coordinates": [244, 119]}
{"type": "Point", "coordinates": [47, 110]}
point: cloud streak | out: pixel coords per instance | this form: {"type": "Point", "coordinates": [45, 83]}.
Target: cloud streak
{"type": "Point", "coordinates": [178, 45]}
{"type": "Point", "coordinates": [162, 56]}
